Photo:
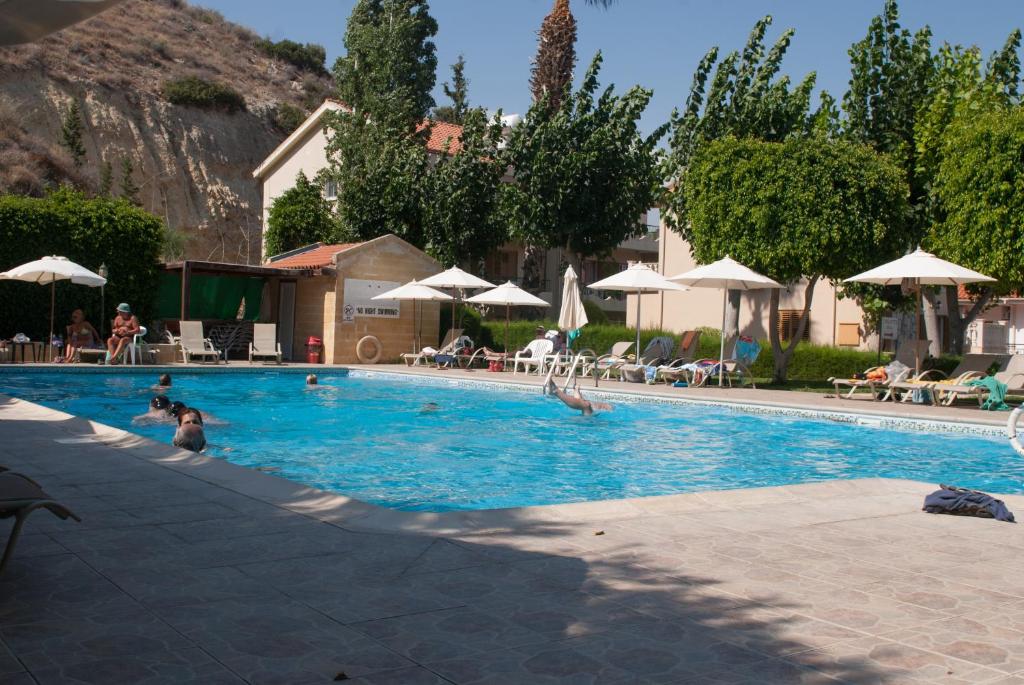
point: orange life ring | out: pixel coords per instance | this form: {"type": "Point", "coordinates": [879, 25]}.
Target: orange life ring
{"type": "Point", "coordinates": [378, 350]}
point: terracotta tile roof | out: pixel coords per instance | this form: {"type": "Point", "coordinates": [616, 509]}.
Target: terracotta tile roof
{"type": "Point", "coordinates": [441, 132]}
{"type": "Point", "coordinates": [313, 258]}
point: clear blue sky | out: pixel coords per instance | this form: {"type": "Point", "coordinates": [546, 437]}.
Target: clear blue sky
{"type": "Point", "coordinates": [655, 43]}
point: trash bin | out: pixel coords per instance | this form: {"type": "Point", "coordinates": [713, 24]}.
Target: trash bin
{"type": "Point", "coordinates": [314, 346]}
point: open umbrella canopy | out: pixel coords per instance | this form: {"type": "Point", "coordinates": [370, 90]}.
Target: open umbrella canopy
{"type": "Point", "coordinates": [508, 294]}
{"type": "Point", "coordinates": [638, 278]}
{"type": "Point", "coordinates": [573, 315]}
{"type": "Point", "coordinates": [455, 278]}
{"type": "Point", "coordinates": [923, 268]}
{"type": "Point", "coordinates": [25, 21]}
{"type": "Point", "coordinates": [50, 269]}
{"type": "Point", "coordinates": [725, 273]}
{"type": "Point", "coordinates": [413, 291]}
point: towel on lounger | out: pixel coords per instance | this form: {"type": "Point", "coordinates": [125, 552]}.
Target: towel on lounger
{"type": "Point", "coordinates": [964, 502]}
{"type": "Point", "coordinates": [996, 400]}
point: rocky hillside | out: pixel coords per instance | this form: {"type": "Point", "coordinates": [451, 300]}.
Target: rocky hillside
{"type": "Point", "coordinates": [193, 165]}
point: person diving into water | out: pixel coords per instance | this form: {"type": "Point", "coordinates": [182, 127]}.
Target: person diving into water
{"type": "Point", "coordinates": [577, 401]}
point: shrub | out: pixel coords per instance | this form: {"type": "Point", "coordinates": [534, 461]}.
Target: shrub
{"type": "Point", "coordinates": [308, 57]}
{"type": "Point", "coordinates": [299, 216]}
{"type": "Point", "coordinates": [595, 314]}
{"type": "Point", "coordinates": [87, 231]}
{"type": "Point", "coordinates": [193, 91]}
{"type": "Point", "coordinates": [286, 117]}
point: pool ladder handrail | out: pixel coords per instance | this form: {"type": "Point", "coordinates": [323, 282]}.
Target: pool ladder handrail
{"type": "Point", "coordinates": [574, 368]}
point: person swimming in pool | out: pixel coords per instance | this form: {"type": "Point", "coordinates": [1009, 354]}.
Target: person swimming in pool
{"type": "Point", "coordinates": [190, 435]}
{"type": "Point", "coordinates": [430, 408]}
{"type": "Point", "coordinates": [578, 401]}
{"type": "Point", "coordinates": [163, 382]}
{"type": "Point", "coordinates": [160, 410]}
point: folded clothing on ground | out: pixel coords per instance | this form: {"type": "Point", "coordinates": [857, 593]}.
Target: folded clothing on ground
{"type": "Point", "coordinates": [963, 502]}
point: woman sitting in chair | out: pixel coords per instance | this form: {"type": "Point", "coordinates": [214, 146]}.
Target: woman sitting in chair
{"type": "Point", "coordinates": [81, 335]}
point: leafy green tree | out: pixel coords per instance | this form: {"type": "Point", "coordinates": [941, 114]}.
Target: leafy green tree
{"type": "Point", "coordinates": [129, 189]}
{"type": "Point", "coordinates": [551, 76]}
{"type": "Point", "coordinates": [106, 179]}
{"type": "Point", "coordinates": [299, 216]}
{"type": "Point", "coordinates": [458, 93]}
{"type": "Point", "coordinates": [390, 64]}
{"type": "Point", "coordinates": [584, 173]}
{"type": "Point", "coordinates": [806, 208]}
{"type": "Point", "coordinates": [462, 223]}
{"type": "Point", "coordinates": [71, 134]}
{"type": "Point", "coordinates": [980, 184]}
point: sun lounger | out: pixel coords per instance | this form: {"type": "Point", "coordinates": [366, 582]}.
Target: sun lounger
{"type": "Point", "coordinates": [656, 353]}
{"type": "Point", "coordinates": [948, 387]}
{"type": "Point", "coordinates": [194, 344]}
{"type": "Point", "coordinates": [672, 371]}
{"type": "Point", "coordinates": [607, 363]}
{"type": "Point", "coordinates": [904, 355]}
{"type": "Point", "coordinates": [537, 349]}
{"type": "Point", "coordinates": [264, 342]}
{"type": "Point", "coordinates": [19, 497]}
{"type": "Point", "coordinates": [975, 366]}
{"type": "Point", "coordinates": [427, 354]}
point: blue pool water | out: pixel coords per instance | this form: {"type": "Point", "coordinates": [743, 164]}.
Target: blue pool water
{"type": "Point", "coordinates": [369, 437]}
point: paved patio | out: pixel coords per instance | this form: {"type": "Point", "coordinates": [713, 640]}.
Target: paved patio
{"type": "Point", "coordinates": [192, 570]}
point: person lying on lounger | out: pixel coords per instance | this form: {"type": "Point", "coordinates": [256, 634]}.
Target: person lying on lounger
{"type": "Point", "coordinates": [578, 401]}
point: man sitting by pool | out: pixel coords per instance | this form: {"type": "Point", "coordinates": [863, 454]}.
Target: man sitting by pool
{"type": "Point", "coordinates": [578, 402]}
{"type": "Point", "coordinates": [126, 326]}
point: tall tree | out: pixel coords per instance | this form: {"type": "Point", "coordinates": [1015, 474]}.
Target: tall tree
{"type": "Point", "coordinates": [806, 208]}
{"type": "Point", "coordinates": [584, 173]}
{"type": "Point", "coordinates": [461, 216]}
{"type": "Point", "coordinates": [390, 64]}
{"type": "Point", "coordinates": [458, 93]}
{"type": "Point", "coordinates": [551, 75]}
{"type": "Point", "coordinates": [299, 216]}
{"type": "Point", "coordinates": [129, 189]}
{"type": "Point", "coordinates": [376, 149]}
{"type": "Point", "coordinates": [71, 134]}
{"type": "Point", "coordinates": [106, 179]}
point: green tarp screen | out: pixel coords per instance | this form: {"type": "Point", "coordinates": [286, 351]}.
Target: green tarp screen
{"type": "Point", "coordinates": [212, 297]}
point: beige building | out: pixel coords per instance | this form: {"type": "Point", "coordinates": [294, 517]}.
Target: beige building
{"type": "Point", "coordinates": [335, 301]}
{"type": "Point", "coordinates": [833, 321]}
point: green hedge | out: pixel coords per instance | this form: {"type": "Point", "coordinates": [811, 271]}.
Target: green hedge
{"type": "Point", "coordinates": [308, 57]}
{"type": "Point", "coordinates": [87, 231]}
{"type": "Point", "coordinates": [810, 362]}
{"type": "Point", "coordinates": [196, 92]}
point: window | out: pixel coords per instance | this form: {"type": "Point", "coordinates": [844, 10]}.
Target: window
{"type": "Point", "coordinates": [331, 190]}
{"type": "Point", "coordinates": [788, 321]}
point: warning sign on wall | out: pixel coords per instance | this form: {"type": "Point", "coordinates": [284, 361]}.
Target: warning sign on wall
{"type": "Point", "coordinates": [359, 300]}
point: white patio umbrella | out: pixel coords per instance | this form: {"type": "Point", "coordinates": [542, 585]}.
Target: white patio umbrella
{"type": "Point", "coordinates": [638, 279]}
{"type": "Point", "coordinates": [458, 281]}
{"type": "Point", "coordinates": [727, 274]}
{"type": "Point", "coordinates": [510, 295]}
{"type": "Point", "coordinates": [573, 316]}
{"type": "Point", "coordinates": [919, 268]}
{"type": "Point", "coordinates": [49, 270]}
{"type": "Point", "coordinates": [415, 292]}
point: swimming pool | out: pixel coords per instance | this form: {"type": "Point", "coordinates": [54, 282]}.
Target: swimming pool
{"type": "Point", "coordinates": [374, 437]}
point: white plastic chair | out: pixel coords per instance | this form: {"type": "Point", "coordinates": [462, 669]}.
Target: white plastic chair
{"type": "Point", "coordinates": [137, 349]}
{"type": "Point", "coordinates": [193, 344]}
{"type": "Point", "coordinates": [264, 342]}
{"type": "Point", "coordinates": [538, 349]}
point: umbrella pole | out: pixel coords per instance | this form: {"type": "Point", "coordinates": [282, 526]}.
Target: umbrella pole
{"type": "Point", "coordinates": [638, 295]}
{"type": "Point", "coordinates": [721, 344]}
{"type": "Point", "coordinates": [53, 298]}
{"type": "Point", "coordinates": [917, 331]}
{"type": "Point", "coordinates": [508, 314]}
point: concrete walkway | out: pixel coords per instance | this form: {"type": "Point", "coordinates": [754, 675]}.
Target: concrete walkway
{"type": "Point", "coordinates": [192, 570]}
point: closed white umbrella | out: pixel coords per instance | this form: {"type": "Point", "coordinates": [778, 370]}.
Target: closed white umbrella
{"type": "Point", "coordinates": [458, 281]}
{"type": "Point", "coordinates": [49, 270]}
{"type": "Point", "coordinates": [510, 295]}
{"type": "Point", "coordinates": [916, 269]}
{"type": "Point", "coordinates": [573, 315]}
{"type": "Point", "coordinates": [415, 292]}
{"type": "Point", "coordinates": [638, 279]}
{"type": "Point", "coordinates": [727, 274]}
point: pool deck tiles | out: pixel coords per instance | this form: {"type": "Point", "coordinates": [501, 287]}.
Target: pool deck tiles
{"type": "Point", "coordinates": [187, 569]}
